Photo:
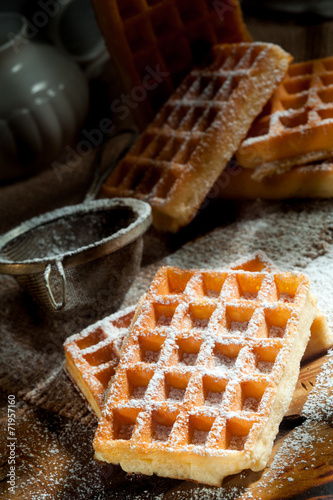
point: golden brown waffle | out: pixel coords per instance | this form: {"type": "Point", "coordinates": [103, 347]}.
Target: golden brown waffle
{"type": "Point", "coordinates": [296, 126]}
{"type": "Point", "coordinates": [177, 159]}
{"type": "Point", "coordinates": [91, 373]}
{"type": "Point", "coordinates": [93, 355]}
{"type": "Point", "coordinates": [206, 374]}
{"type": "Point", "coordinates": [155, 43]}
{"type": "Point", "coordinates": [306, 181]}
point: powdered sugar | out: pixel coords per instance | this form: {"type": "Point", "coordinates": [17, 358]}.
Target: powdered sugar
{"type": "Point", "coordinates": [265, 366]}
{"type": "Point", "coordinates": [162, 432]}
{"type": "Point", "coordinates": [319, 404]}
{"type": "Point", "coordinates": [238, 327]}
{"type": "Point", "coordinates": [251, 404]}
{"type": "Point", "coordinates": [176, 394]}
{"type": "Point", "coordinates": [199, 437]}
{"type": "Point", "coordinates": [276, 331]}
{"type": "Point", "coordinates": [214, 398]}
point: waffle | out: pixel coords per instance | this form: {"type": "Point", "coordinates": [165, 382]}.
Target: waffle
{"type": "Point", "coordinates": [306, 181]}
{"type": "Point", "coordinates": [166, 37]}
{"type": "Point", "coordinates": [296, 126]}
{"type": "Point", "coordinates": [206, 374]}
{"type": "Point", "coordinates": [175, 162]}
{"type": "Point", "coordinates": [92, 373]}
{"type": "Point", "coordinates": [93, 355]}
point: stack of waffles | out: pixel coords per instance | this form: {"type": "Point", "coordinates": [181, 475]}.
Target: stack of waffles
{"type": "Point", "coordinates": [177, 159]}
{"type": "Point", "coordinates": [233, 105]}
{"type": "Point", "coordinates": [288, 151]}
{"type": "Point", "coordinates": [207, 368]}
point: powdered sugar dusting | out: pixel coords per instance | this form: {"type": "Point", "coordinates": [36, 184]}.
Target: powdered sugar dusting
{"type": "Point", "coordinates": [214, 398]}
{"type": "Point", "coordinates": [239, 327]}
{"type": "Point", "coordinates": [237, 443]}
{"type": "Point", "coordinates": [224, 363]}
{"type": "Point", "coordinates": [162, 432]}
{"type": "Point", "coordinates": [151, 356]}
{"type": "Point", "coordinates": [251, 404]}
{"type": "Point", "coordinates": [262, 227]}
{"type": "Point", "coordinates": [189, 358]}
{"type": "Point", "coordinates": [276, 331]}
{"type": "Point", "coordinates": [138, 392]}
{"type": "Point", "coordinates": [265, 366]}
{"type": "Point", "coordinates": [319, 404]}
{"type": "Point", "coordinates": [176, 394]}
{"type": "Point", "coordinates": [199, 437]}
{"type": "Point", "coordinates": [286, 297]}
{"type": "Point", "coordinates": [308, 249]}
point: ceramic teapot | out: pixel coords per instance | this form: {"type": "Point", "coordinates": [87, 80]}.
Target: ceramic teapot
{"type": "Point", "coordinates": [43, 100]}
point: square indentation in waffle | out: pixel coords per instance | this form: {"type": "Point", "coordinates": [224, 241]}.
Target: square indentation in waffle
{"type": "Point", "coordinates": [238, 319]}
{"type": "Point", "coordinates": [198, 316]}
{"type": "Point", "coordinates": [138, 382]}
{"type": "Point", "coordinates": [161, 424]}
{"type": "Point", "coordinates": [276, 321]}
{"type": "Point", "coordinates": [122, 424]}
{"type": "Point", "coordinates": [175, 385]}
{"type": "Point", "coordinates": [296, 125]}
{"type": "Point", "coordinates": [224, 357]}
{"type": "Point", "coordinates": [188, 350]}
{"type": "Point", "coordinates": [253, 395]}
{"type": "Point", "coordinates": [150, 346]}
{"type": "Point", "coordinates": [264, 357]}
{"type": "Point", "coordinates": [214, 386]}
{"type": "Point", "coordinates": [213, 389]}
{"type": "Point", "coordinates": [190, 126]}
{"type": "Point", "coordinates": [249, 286]}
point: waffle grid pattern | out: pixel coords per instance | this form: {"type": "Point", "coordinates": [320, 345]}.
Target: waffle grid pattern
{"type": "Point", "coordinates": [92, 356]}
{"type": "Point", "coordinates": [296, 125]}
{"type": "Point", "coordinates": [93, 375]}
{"type": "Point", "coordinates": [171, 35]}
{"type": "Point", "coordinates": [200, 369]}
{"type": "Point", "coordinates": [171, 165]}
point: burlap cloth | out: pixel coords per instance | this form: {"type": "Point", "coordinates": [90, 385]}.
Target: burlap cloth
{"type": "Point", "coordinates": [31, 355]}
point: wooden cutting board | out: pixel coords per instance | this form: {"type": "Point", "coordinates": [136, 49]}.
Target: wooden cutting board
{"type": "Point", "coordinates": [305, 384]}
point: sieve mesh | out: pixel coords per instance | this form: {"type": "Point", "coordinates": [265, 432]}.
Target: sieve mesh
{"type": "Point", "coordinates": [95, 278]}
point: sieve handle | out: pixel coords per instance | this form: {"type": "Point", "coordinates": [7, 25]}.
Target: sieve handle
{"type": "Point", "coordinates": [47, 274]}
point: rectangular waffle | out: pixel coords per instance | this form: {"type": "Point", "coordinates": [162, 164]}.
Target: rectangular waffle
{"type": "Point", "coordinates": [296, 126]}
{"type": "Point", "coordinates": [314, 180]}
{"type": "Point", "coordinates": [166, 38]}
{"type": "Point", "coordinates": [206, 374]}
{"type": "Point", "coordinates": [175, 162]}
{"type": "Point", "coordinates": [92, 356]}
{"type": "Point", "coordinates": [92, 374]}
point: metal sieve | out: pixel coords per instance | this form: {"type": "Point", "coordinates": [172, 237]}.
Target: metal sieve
{"type": "Point", "coordinates": [78, 257]}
